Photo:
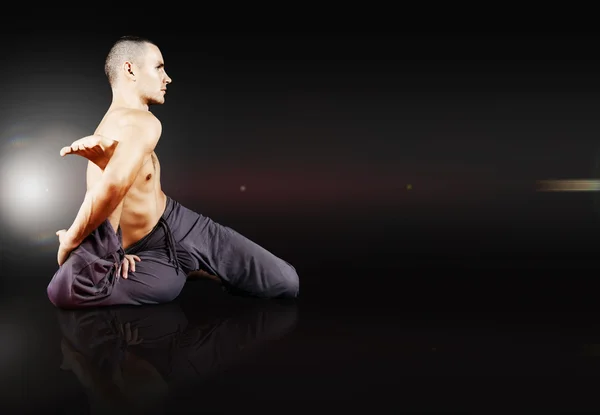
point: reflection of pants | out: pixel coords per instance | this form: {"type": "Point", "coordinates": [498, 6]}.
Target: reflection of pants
{"type": "Point", "coordinates": [178, 349]}
{"type": "Point", "coordinates": [181, 242]}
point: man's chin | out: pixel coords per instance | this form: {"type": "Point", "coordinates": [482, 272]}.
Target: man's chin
{"type": "Point", "coordinates": [156, 102]}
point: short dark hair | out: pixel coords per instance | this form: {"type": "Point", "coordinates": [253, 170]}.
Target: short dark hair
{"type": "Point", "coordinates": [125, 48]}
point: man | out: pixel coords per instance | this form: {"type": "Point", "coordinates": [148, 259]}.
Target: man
{"type": "Point", "coordinates": [130, 243]}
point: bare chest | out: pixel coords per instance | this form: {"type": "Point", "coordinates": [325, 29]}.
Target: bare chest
{"type": "Point", "coordinates": [148, 174]}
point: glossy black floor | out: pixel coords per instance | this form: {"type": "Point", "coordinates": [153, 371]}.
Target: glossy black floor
{"type": "Point", "coordinates": [380, 324]}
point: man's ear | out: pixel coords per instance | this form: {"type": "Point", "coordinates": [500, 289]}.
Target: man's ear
{"type": "Point", "coordinates": [128, 70]}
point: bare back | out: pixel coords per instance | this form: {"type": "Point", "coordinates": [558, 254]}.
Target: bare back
{"type": "Point", "coordinates": [145, 201]}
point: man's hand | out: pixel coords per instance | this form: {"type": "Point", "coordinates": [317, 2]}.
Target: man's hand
{"type": "Point", "coordinates": [128, 264]}
{"type": "Point", "coordinates": [96, 148]}
{"type": "Point", "coordinates": [131, 336]}
{"type": "Point", "coordinates": [66, 246]}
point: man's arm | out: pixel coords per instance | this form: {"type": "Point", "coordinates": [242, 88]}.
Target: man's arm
{"type": "Point", "coordinates": [136, 142]}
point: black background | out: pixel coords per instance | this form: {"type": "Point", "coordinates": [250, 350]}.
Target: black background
{"type": "Point", "coordinates": [325, 130]}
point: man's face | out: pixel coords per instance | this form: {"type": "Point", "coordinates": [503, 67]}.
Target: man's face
{"type": "Point", "coordinates": [153, 79]}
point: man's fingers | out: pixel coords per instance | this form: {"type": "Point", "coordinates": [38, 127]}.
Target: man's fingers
{"type": "Point", "coordinates": [125, 268]}
{"type": "Point", "coordinates": [131, 264]}
{"type": "Point", "coordinates": [71, 149]}
{"type": "Point", "coordinates": [82, 145]}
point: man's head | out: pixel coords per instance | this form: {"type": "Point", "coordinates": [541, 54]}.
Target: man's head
{"type": "Point", "coordinates": [135, 65]}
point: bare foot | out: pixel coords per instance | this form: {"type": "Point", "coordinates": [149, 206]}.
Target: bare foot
{"type": "Point", "coordinates": [96, 148]}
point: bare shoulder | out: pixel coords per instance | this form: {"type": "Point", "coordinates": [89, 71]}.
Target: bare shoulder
{"type": "Point", "coordinates": [145, 119]}
{"type": "Point", "coordinates": [136, 125]}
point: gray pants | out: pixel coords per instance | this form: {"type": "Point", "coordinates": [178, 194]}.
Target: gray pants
{"type": "Point", "coordinates": [182, 241]}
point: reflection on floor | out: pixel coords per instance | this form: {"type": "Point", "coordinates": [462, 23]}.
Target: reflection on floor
{"type": "Point", "coordinates": [137, 357]}
{"type": "Point", "coordinates": [212, 352]}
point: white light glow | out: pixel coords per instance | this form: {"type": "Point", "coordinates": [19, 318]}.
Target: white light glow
{"type": "Point", "coordinates": [37, 186]}
{"type": "Point", "coordinates": [24, 184]}
{"type": "Point", "coordinates": [29, 188]}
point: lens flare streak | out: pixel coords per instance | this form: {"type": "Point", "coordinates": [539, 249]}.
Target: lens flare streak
{"type": "Point", "coordinates": [576, 185]}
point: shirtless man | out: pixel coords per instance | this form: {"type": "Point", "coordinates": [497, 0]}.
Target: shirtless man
{"type": "Point", "coordinates": [130, 243]}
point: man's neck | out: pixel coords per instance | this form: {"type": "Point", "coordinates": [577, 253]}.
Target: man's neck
{"type": "Point", "coordinates": [124, 100]}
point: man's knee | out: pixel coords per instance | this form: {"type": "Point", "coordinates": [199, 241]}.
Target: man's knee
{"type": "Point", "coordinates": [289, 284]}
{"type": "Point", "coordinates": [75, 285]}
{"type": "Point", "coordinates": [59, 289]}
